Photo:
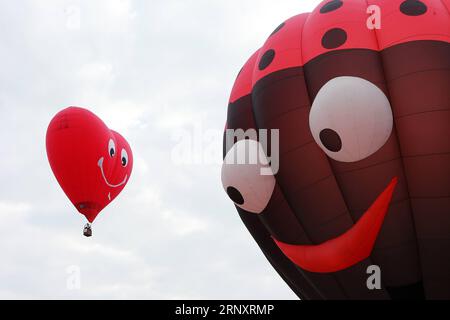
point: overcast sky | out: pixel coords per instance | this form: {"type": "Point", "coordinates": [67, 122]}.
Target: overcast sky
{"type": "Point", "coordinates": [160, 73]}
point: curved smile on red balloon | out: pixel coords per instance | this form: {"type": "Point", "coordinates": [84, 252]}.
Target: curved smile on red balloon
{"type": "Point", "coordinates": [100, 165]}
{"type": "Point", "coordinates": [349, 248]}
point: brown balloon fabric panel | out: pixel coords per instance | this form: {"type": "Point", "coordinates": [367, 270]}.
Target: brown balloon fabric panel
{"type": "Point", "coordinates": [281, 101]}
{"type": "Point", "coordinates": [420, 90]}
{"type": "Point", "coordinates": [240, 114]}
{"type": "Point", "coordinates": [278, 220]}
{"type": "Point", "coordinates": [283, 225]}
{"type": "Point", "coordinates": [285, 268]}
{"type": "Point", "coordinates": [360, 182]}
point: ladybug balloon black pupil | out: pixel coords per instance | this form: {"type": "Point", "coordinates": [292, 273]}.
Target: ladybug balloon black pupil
{"type": "Point", "coordinates": [331, 6]}
{"type": "Point", "coordinates": [111, 152]}
{"type": "Point", "coordinates": [331, 140]}
{"type": "Point", "coordinates": [235, 195]}
{"type": "Point", "coordinates": [124, 161]}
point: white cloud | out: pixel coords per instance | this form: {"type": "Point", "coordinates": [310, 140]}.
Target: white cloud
{"type": "Point", "coordinates": [8, 209]}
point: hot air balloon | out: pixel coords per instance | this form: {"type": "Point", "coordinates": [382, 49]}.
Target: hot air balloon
{"type": "Point", "coordinates": [91, 162]}
{"type": "Point", "coordinates": [358, 206]}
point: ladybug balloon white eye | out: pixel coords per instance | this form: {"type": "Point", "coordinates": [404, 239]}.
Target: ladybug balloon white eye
{"type": "Point", "coordinates": [124, 157]}
{"type": "Point", "coordinates": [111, 148]}
{"type": "Point", "coordinates": [350, 119]}
{"type": "Point", "coordinates": [245, 178]}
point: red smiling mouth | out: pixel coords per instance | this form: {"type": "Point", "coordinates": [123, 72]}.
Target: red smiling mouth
{"type": "Point", "coordinates": [100, 165]}
{"type": "Point", "coordinates": [349, 248]}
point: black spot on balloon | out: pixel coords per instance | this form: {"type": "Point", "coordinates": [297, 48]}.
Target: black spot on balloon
{"type": "Point", "coordinates": [266, 59]}
{"type": "Point", "coordinates": [277, 29]}
{"type": "Point", "coordinates": [331, 140]}
{"type": "Point", "coordinates": [235, 195]}
{"type": "Point", "coordinates": [331, 6]}
{"type": "Point", "coordinates": [334, 38]}
{"type": "Point", "coordinates": [413, 7]}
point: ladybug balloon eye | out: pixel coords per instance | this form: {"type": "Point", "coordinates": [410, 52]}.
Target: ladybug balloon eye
{"type": "Point", "coordinates": [244, 176]}
{"type": "Point", "coordinates": [124, 158]}
{"type": "Point", "coordinates": [111, 148]}
{"type": "Point", "coordinates": [350, 119]}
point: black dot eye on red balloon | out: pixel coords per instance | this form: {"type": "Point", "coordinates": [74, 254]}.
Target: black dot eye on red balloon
{"type": "Point", "coordinates": [330, 140]}
{"type": "Point", "coordinates": [278, 29]}
{"type": "Point", "coordinates": [266, 59]}
{"type": "Point", "coordinates": [334, 38]}
{"type": "Point", "coordinates": [235, 195]}
{"type": "Point", "coordinates": [331, 6]}
{"type": "Point", "coordinates": [413, 8]}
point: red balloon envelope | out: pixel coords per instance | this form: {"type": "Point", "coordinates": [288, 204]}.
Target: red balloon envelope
{"type": "Point", "coordinates": [91, 162]}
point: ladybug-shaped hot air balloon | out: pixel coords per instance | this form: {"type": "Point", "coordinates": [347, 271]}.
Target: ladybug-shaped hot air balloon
{"type": "Point", "coordinates": [91, 162]}
{"type": "Point", "coordinates": [363, 177]}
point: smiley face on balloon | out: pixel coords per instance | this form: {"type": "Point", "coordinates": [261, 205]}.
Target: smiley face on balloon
{"type": "Point", "coordinates": [91, 162]}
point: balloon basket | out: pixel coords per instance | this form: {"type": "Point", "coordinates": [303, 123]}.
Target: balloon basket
{"type": "Point", "coordinates": [87, 231]}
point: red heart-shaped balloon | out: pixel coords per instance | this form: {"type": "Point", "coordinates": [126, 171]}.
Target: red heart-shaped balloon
{"type": "Point", "coordinates": [91, 162]}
